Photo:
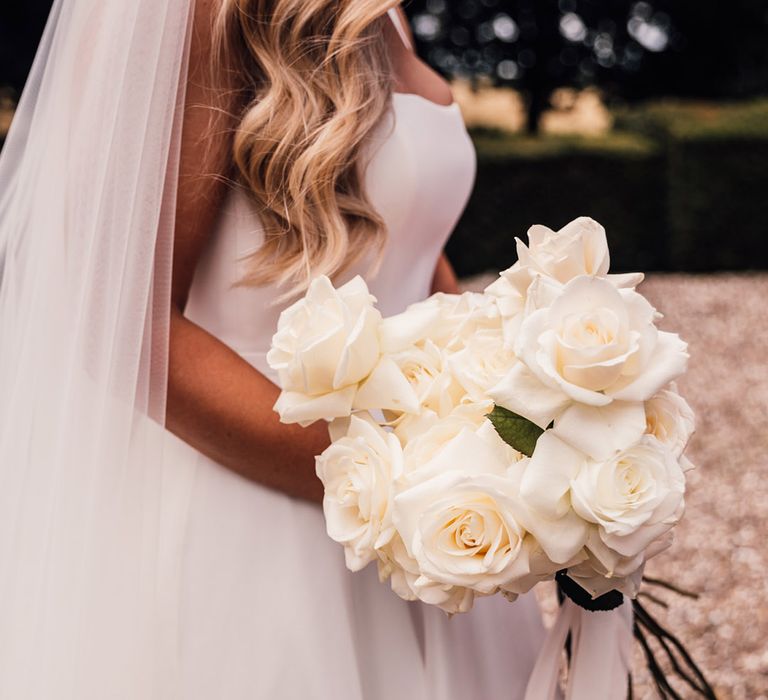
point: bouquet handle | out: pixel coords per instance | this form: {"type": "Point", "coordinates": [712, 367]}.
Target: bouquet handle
{"type": "Point", "coordinates": [601, 655]}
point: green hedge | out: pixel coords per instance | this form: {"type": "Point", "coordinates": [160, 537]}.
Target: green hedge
{"type": "Point", "coordinates": [522, 181]}
{"type": "Point", "coordinates": [718, 204]}
{"type": "Point", "coordinates": [677, 186]}
{"type": "Point", "coordinates": [717, 180]}
{"type": "Point", "coordinates": [687, 119]}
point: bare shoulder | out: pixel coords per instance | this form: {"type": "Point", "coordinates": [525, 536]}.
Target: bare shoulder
{"type": "Point", "coordinates": [406, 24]}
{"type": "Point", "coordinates": [416, 76]}
{"type": "Point", "coordinates": [205, 158]}
{"type": "Point", "coordinates": [201, 40]}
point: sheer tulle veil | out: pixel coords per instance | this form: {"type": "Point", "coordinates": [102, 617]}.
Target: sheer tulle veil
{"type": "Point", "coordinates": [90, 533]}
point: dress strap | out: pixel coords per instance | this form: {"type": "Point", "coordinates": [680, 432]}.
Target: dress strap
{"type": "Point", "coordinates": [395, 17]}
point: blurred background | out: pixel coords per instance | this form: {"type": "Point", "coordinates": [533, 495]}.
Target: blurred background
{"type": "Point", "coordinates": [651, 117]}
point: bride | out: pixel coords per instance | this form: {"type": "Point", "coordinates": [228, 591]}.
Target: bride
{"type": "Point", "coordinates": [174, 177]}
{"type": "Point", "coordinates": [267, 606]}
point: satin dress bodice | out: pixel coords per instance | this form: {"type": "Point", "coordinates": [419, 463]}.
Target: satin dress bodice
{"type": "Point", "coordinates": [420, 171]}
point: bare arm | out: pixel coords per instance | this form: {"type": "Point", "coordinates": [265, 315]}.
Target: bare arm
{"type": "Point", "coordinates": [444, 279]}
{"type": "Point", "coordinates": [217, 402]}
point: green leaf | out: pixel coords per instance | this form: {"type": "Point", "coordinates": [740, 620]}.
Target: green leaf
{"type": "Point", "coordinates": [515, 430]}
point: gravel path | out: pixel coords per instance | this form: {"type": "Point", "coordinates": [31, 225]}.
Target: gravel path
{"type": "Point", "coordinates": [721, 548]}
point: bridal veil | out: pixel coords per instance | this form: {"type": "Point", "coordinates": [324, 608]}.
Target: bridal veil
{"type": "Point", "coordinates": [88, 540]}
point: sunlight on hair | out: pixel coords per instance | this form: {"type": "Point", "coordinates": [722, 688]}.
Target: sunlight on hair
{"type": "Point", "coordinates": [315, 79]}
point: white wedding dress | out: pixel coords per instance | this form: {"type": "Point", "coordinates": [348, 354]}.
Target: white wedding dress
{"type": "Point", "coordinates": [267, 608]}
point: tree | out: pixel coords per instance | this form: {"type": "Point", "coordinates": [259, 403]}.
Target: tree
{"type": "Point", "coordinates": [632, 49]}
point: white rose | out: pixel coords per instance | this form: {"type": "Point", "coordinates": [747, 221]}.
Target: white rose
{"type": "Point", "coordinates": [670, 419]}
{"type": "Point", "coordinates": [597, 580]}
{"type": "Point", "coordinates": [579, 248]}
{"type": "Point", "coordinates": [462, 433]}
{"type": "Point", "coordinates": [414, 427]}
{"type": "Point", "coordinates": [633, 498]}
{"type": "Point", "coordinates": [463, 446]}
{"type": "Point", "coordinates": [545, 482]}
{"type": "Point", "coordinates": [614, 572]}
{"type": "Point", "coordinates": [464, 478]}
{"type": "Point", "coordinates": [597, 344]}
{"type": "Point", "coordinates": [358, 472]}
{"type": "Point", "coordinates": [588, 360]}
{"type": "Point", "coordinates": [425, 369]}
{"type": "Point", "coordinates": [408, 426]}
{"type": "Point", "coordinates": [433, 435]}
{"type": "Point", "coordinates": [417, 323]}
{"type": "Point", "coordinates": [482, 362]}
{"type": "Point", "coordinates": [386, 389]}
{"type": "Point", "coordinates": [510, 301]}
{"type": "Point", "coordinates": [325, 344]}
{"type": "Point", "coordinates": [407, 581]}
{"type": "Point", "coordinates": [458, 443]}
{"type": "Point", "coordinates": [464, 530]}
{"type": "Point", "coordinates": [446, 320]}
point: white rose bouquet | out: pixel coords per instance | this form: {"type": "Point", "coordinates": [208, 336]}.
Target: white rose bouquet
{"type": "Point", "coordinates": [484, 442]}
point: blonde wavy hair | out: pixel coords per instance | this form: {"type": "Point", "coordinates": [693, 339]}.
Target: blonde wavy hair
{"type": "Point", "coordinates": [315, 79]}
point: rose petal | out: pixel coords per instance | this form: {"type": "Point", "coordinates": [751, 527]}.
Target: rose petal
{"type": "Point", "coordinates": [546, 370]}
{"type": "Point", "coordinates": [386, 388]}
{"type": "Point", "coordinates": [398, 332]}
{"type": "Point", "coordinates": [521, 392]}
{"type": "Point", "coordinates": [546, 481]}
{"type": "Point", "coordinates": [295, 407]}
{"type": "Point", "coordinates": [468, 453]}
{"type": "Point", "coordinates": [561, 538]}
{"type": "Point", "coordinates": [355, 293]}
{"type": "Point", "coordinates": [668, 361]}
{"type": "Point", "coordinates": [628, 280]}
{"type": "Point", "coordinates": [361, 349]}
{"type": "Point", "coordinates": [600, 431]}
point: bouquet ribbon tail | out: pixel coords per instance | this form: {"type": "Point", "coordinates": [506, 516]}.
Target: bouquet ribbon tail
{"type": "Point", "coordinates": [600, 657]}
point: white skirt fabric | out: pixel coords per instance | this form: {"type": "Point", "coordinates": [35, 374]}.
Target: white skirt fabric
{"type": "Point", "coordinates": [268, 610]}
